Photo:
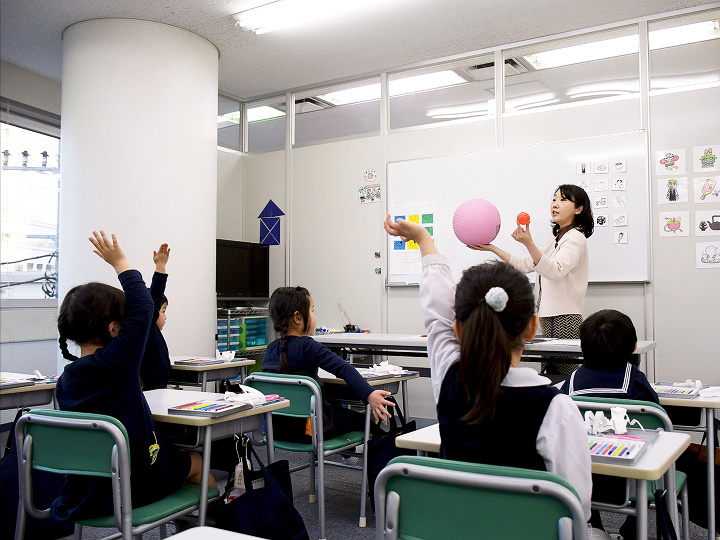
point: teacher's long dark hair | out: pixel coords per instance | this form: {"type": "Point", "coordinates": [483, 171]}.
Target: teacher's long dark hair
{"type": "Point", "coordinates": [583, 221]}
{"type": "Point", "coordinates": [489, 337]}
{"type": "Point", "coordinates": [284, 302]}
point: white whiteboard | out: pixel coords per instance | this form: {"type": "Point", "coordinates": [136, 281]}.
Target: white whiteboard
{"type": "Point", "coordinates": [524, 179]}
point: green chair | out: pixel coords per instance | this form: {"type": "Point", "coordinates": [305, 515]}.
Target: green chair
{"type": "Point", "coordinates": [306, 402]}
{"type": "Point", "coordinates": [66, 442]}
{"type": "Point", "coordinates": [652, 417]}
{"type": "Point", "coordinates": [424, 498]}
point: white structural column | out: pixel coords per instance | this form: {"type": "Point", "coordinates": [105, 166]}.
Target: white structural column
{"type": "Point", "coordinates": [139, 159]}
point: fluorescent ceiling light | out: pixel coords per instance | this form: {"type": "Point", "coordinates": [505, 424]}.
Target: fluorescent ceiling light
{"type": "Point", "coordinates": [262, 17]}
{"type": "Point", "coordinates": [467, 110]}
{"type": "Point", "coordinates": [604, 88]}
{"type": "Point", "coordinates": [608, 48]}
{"type": "Point", "coordinates": [264, 112]}
{"type": "Point", "coordinates": [397, 87]}
{"type": "Point", "coordinates": [526, 102]}
{"type": "Point", "coordinates": [227, 119]}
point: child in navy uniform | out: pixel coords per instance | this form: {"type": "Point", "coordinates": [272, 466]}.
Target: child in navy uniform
{"type": "Point", "coordinates": [111, 328]}
{"type": "Point", "coordinates": [155, 366]}
{"type": "Point", "coordinates": [608, 339]}
{"type": "Point", "coordinates": [483, 395]}
{"type": "Point", "coordinates": [295, 352]}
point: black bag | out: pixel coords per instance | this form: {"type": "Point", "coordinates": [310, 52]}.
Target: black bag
{"type": "Point", "coordinates": [382, 449]}
{"type": "Point", "coordinates": [665, 527]}
{"type": "Point", "coordinates": [267, 511]}
{"type": "Point", "coordinates": [694, 462]}
{"type": "Point", "coordinates": [46, 489]}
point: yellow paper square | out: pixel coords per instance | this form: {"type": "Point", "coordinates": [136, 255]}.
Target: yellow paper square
{"type": "Point", "coordinates": [414, 218]}
{"type": "Point", "coordinates": [412, 245]}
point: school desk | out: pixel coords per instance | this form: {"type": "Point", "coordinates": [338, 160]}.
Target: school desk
{"type": "Point", "coordinates": [657, 460]}
{"type": "Point", "coordinates": [40, 393]}
{"type": "Point", "coordinates": [416, 345]}
{"type": "Point", "coordinates": [201, 431]}
{"type": "Point", "coordinates": [211, 533]}
{"type": "Point", "coordinates": [710, 405]}
{"type": "Point", "coordinates": [204, 374]}
{"type": "Point", "coordinates": [389, 383]}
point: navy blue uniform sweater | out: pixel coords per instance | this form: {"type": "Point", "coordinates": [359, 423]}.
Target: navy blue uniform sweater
{"type": "Point", "coordinates": [108, 382]}
{"type": "Point", "coordinates": [625, 382]}
{"type": "Point", "coordinates": [155, 367]}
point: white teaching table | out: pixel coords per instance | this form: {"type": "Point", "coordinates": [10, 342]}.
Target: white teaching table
{"type": "Point", "coordinates": [40, 393]}
{"type": "Point", "coordinates": [710, 405]}
{"type": "Point", "coordinates": [657, 460]}
{"type": "Point", "coordinates": [210, 429]}
{"type": "Point", "coordinates": [203, 374]}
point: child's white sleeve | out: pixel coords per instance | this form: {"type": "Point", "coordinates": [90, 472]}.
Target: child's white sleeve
{"type": "Point", "coordinates": [437, 301]}
{"type": "Point", "coordinates": [562, 442]}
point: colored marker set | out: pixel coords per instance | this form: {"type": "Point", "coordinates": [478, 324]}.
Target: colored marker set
{"type": "Point", "coordinates": [209, 408]}
{"type": "Point", "coordinates": [681, 392]}
{"type": "Point", "coordinates": [608, 449]}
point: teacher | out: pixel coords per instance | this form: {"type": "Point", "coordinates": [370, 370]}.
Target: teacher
{"type": "Point", "coordinates": [561, 266]}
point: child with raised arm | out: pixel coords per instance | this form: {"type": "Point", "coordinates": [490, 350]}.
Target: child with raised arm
{"type": "Point", "coordinates": [155, 366]}
{"type": "Point", "coordinates": [111, 328]}
{"type": "Point", "coordinates": [476, 333]}
{"type": "Point", "coordinates": [295, 352]}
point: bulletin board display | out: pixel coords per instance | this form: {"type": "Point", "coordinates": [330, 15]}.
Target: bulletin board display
{"type": "Point", "coordinates": [612, 169]}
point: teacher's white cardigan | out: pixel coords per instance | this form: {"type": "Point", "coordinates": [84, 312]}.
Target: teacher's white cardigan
{"type": "Point", "coordinates": [564, 271]}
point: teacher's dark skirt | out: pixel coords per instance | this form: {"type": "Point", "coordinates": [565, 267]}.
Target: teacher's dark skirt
{"type": "Point", "coordinates": [562, 327]}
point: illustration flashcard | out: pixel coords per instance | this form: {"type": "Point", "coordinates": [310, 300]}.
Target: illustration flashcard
{"type": "Point", "coordinates": [620, 237]}
{"type": "Point", "coordinates": [708, 255]}
{"type": "Point", "coordinates": [672, 190]}
{"type": "Point", "coordinates": [620, 220]}
{"type": "Point", "coordinates": [706, 189]}
{"type": "Point", "coordinates": [601, 220]}
{"type": "Point", "coordinates": [619, 184]}
{"type": "Point", "coordinates": [584, 184]}
{"type": "Point", "coordinates": [670, 161]}
{"type": "Point", "coordinates": [619, 201]}
{"type": "Point", "coordinates": [674, 223]}
{"type": "Point", "coordinates": [584, 167]}
{"type": "Point", "coordinates": [370, 175]}
{"type": "Point", "coordinates": [707, 222]}
{"type": "Point", "coordinates": [601, 184]}
{"type": "Point", "coordinates": [601, 202]}
{"type": "Point", "coordinates": [369, 194]}
{"type": "Point", "coordinates": [705, 158]}
{"type": "Point", "coordinates": [618, 165]}
{"type": "Point", "coordinates": [601, 167]}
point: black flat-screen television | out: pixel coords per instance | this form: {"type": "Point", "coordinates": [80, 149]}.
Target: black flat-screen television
{"type": "Point", "coordinates": [242, 270]}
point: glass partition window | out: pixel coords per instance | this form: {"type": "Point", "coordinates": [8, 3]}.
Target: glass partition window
{"type": "Point", "coordinates": [339, 111]}
{"type": "Point", "coordinates": [266, 125]}
{"type": "Point", "coordinates": [29, 207]}
{"type": "Point", "coordinates": [439, 94]}
{"type": "Point", "coordinates": [684, 51]}
{"type": "Point", "coordinates": [229, 130]}
{"type": "Point", "coordinates": [600, 65]}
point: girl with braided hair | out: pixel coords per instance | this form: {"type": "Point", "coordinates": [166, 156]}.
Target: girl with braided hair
{"type": "Point", "coordinates": [295, 352]}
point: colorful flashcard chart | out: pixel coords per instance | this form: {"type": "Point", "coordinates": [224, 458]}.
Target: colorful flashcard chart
{"type": "Point", "coordinates": [691, 180]}
{"type": "Point", "coordinates": [405, 256]}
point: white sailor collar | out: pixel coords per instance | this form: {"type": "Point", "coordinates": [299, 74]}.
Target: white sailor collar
{"type": "Point", "coordinates": [523, 376]}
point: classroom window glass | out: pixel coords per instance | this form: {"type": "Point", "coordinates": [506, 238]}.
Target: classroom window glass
{"type": "Point", "coordinates": [266, 125]}
{"type": "Point", "coordinates": [344, 110]}
{"type": "Point", "coordinates": [442, 93]}
{"type": "Point", "coordinates": [229, 123]}
{"type": "Point", "coordinates": [684, 52]}
{"type": "Point", "coordinates": [580, 69]}
{"type": "Point", "coordinates": [29, 213]}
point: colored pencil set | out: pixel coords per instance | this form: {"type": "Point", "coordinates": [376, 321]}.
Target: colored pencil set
{"type": "Point", "coordinates": [610, 449]}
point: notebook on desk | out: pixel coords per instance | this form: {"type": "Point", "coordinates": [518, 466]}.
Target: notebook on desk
{"type": "Point", "coordinates": [198, 361]}
{"type": "Point", "coordinates": [15, 383]}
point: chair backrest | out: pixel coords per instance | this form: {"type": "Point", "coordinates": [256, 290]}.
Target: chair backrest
{"type": "Point", "coordinates": [68, 442]}
{"type": "Point", "coordinates": [299, 389]}
{"type": "Point", "coordinates": [428, 498]}
{"type": "Point", "coordinates": [651, 415]}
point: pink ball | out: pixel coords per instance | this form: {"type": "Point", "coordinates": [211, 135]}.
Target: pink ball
{"type": "Point", "coordinates": [476, 221]}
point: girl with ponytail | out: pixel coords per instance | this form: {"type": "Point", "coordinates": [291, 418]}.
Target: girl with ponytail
{"type": "Point", "coordinates": [295, 352]}
{"type": "Point", "coordinates": [490, 409]}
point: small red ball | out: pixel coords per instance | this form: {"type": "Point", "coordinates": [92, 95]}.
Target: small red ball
{"type": "Point", "coordinates": [523, 218]}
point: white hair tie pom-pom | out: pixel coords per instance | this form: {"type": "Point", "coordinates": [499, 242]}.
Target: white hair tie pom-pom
{"type": "Point", "coordinates": [496, 298]}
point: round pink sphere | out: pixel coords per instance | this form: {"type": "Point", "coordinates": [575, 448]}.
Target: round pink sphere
{"type": "Point", "coordinates": [476, 221]}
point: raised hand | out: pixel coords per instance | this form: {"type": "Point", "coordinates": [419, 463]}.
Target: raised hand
{"type": "Point", "coordinates": [109, 250]}
{"type": "Point", "coordinates": [160, 258]}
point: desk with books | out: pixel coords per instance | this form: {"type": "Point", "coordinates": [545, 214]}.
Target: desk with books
{"type": "Point", "coordinates": [657, 460]}
{"type": "Point", "coordinates": [202, 370]}
{"type": "Point", "coordinates": [18, 390]}
{"type": "Point", "coordinates": [199, 431]}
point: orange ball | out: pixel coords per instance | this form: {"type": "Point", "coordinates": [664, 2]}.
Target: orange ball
{"type": "Point", "coordinates": [523, 218]}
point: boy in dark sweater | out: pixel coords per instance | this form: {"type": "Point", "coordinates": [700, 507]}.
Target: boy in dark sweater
{"type": "Point", "coordinates": [155, 366]}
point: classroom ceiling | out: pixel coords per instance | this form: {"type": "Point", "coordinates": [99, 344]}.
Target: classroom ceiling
{"type": "Point", "coordinates": [391, 34]}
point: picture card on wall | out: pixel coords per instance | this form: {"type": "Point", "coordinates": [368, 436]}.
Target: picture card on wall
{"type": "Point", "coordinates": [706, 189]}
{"type": "Point", "coordinates": [601, 184]}
{"type": "Point", "coordinates": [673, 190]}
{"type": "Point", "coordinates": [619, 201]}
{"type": "Point", "coordinates": [707, 255]}
{"type": "Point", "coordinates": [602, 167]}
{"type": "Point", "coordinates": [601, 220]}
{"type": "Point", "coordinates": [620, 237]}
{"type": "Point", "coordinates": [584, 167]}
{"type": "Point", "coordinates": [619, 184]}
{"type": "Point", "coordinates": [707, 222]}
{"type": "Point", "coordinates": [601, 202]}
{"type": "Point", "coordinates": [670, 161]}
{"type": "Point", "coordinates": [620, 220]}
{"type": "Point", "coordinates": [618, 165]}
{"type": "Point", "coordinates": [674, 224]}
{"type": "Point", "coordinates": [705, 158]}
